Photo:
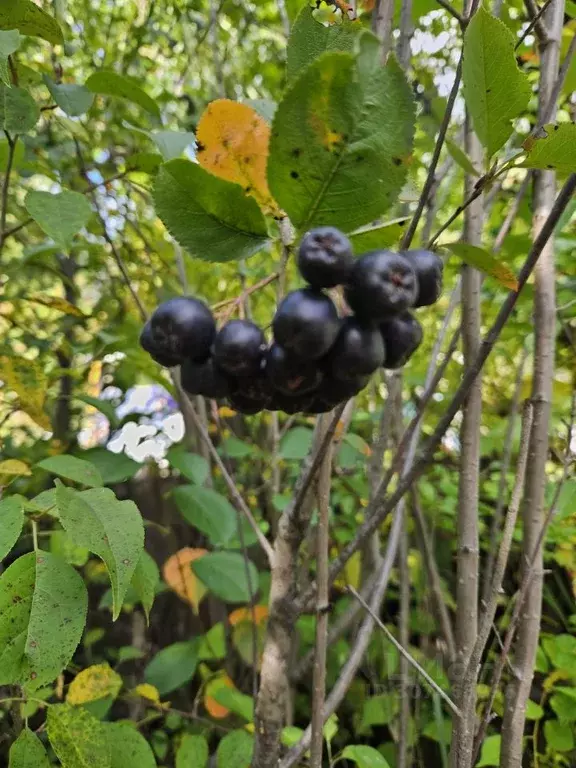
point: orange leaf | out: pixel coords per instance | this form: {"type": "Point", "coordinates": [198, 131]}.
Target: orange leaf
{"type": "Point", "coordinates": [245, 614]}
{"type": "Point", "coordinates": [233, 144]}
{"type": "Point", "coordinates": [180, 577]}
{"type": "Point", "coordinates": [212, 706]}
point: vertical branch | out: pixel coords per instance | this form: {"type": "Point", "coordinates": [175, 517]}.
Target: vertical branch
{"type": "Point", "coordinates": [518, 689]}
{"type": "Point", "coordinates": [406, 31]}
{"type": "Point", "coordinates": [6, 186]}
{"type": "Point", "coordinates": [214, 42]}
{"type": "Point", "coordinates": [467, 519]}
{"type": "Point", "coordinates": [322, 605]}
{"type": "Point", "coordinates": [382, 23]}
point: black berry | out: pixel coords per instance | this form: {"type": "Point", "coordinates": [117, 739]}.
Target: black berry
{"type": "Point", "coordinates": [325, 257]}
{"type": "Point", "coordinates": [255, 387]}
{"type": "Point", "coordinates": [239, 347]}
{"type": "Point", "coordinates": [358, 350]}
{"type": "Point", "coordinates": [290, 404]}
{"type": "Point", "coordinates": [157, 354]}
{"type": "Point", "coordinates": [246, 405]}
{"type": "Point", "coordinates": [183, 327]}
{"type": "Point", "coordinates": [291, 376]}
{"type": "Point", "coordinates": [381, 284]}
{"type": "Point", "coordinates": [428, 267]}
{"type": "Point", "coordinates": [306, 323]}
{"type": "Point", "coordinates": [204, 379]}
{"type": "Point", "coordinates": [333, 392]}
{"type": "Point", "coordinates": [402, 336]}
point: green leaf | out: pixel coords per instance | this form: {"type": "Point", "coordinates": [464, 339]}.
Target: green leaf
{"type": "Point", "coordinates": [490, 754]}
{"type": "Point", "coordinates": [72, 468]}
{"type": "Point", "coordinates": [28, 752]}
{"type": "Point", "coordinates": [559, 736]}
{"type": "Point", "coordinates": [213, 643]}
{"type": "Point", "coordinates": [124, 87]}
{"type": "Point", "coordinates": [555, 150]}
{"type": "Point", "coordinates": [111, 529]}
{"type": "Point", "coordinates": [264, 107]}
{"type": "Point", "coordinates": [29, 19]}
{"type": "Point", "coordinates": [330, 728]}
{"type": "Point", "coordinates": [291, 735]}
{"type": "Point", "coordinates": [62, 545]}
{"type": "Point", "coordinates": [563, 702]}
{"type": "Point", "coordinates": [206, 510]}
{"type": "Point", "coordinates": [224, 574]}
{"type": "Point", "coordinates": [145, 580]}
{"type": "Point", "coordinates": [343, 132]}
{"type": "Point", "coordinates": [61, 215]}
{"type": "Point", "coordinates": [235, 750]}
{"type": "Point", "coordinates": [77, 737]}
{"type": "Point", "coordinates": [379, 710]}
{"type": "Point", "coordinates": [235, 701]}
{"type": "Point", "coordinates": [172, 143]}
{"type": "Point", "coordinates": [72, 99]}
{"type": "Point", "coordinates": [193, 751]}
{"type": "Point", "coordinates": [19, 112]}
{"type": "Point", "coordinates": [382, 236]}
{"type": "Point", "coordinates": [128, 748]}
{"type": "Point", "coordinates": [461, 158]}
{"type": "Point", "coordinates": [11, 522]}
{"type": "Point", "coordinates": [213, 219]}
{"type": "Point", "coordinates": [365, 757]}
{"type": "Point", "coordinates": [9, 42]}
{"type": "Point", "coordinates": [309, 39]}
{"type": "Point", "coordinates": [561, 650]}
{"type": "Point", "coordinates": [485, 262]}
{"type": "Point", "coordinates": [191, 465]}
{"type": "Point", "coordinates": [495, 90]}
{"type": "Point", "coordinates": [114, 467]}
{"type": "Point", "coordinates": [43, 603]}
{"type": "Point", "coordinates": [172, 667]}
{"type": "Point", "coordinates": [296, 443]}
{"type": "Point", "coordinates": [236, 449]}
{"type": "Point", "coordinates": [534, 711]}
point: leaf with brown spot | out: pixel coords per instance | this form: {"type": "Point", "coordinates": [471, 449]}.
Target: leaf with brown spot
{"type": "Point", "coordinates": [180, 577]}
{"type": "Point", "coordinates": [28, 379]}
{"type": "Point", "coordinates": [234, 140]}
{"type": "Point", "coordinates": [93, 683]}
{"type": "Point", "coordinates": [485, 262]}
{"type": "Point", "coordinates": [554, 150]}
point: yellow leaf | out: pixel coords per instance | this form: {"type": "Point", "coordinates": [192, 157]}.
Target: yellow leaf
{"type": "Point", "coordinates": [351, 573]}
{"type": "Point", "coordinates": [147, 691]}
{"type": "Point", "coordinates": [225, 412]}
{"type": "Point", "coordinates": [14, 467]}
{"type": "Point", "coordinates": [55, 302]}
{"type": "Point", "coordinates": [181, 579]}
{"type": "Point", "coordinates": [218, 711]}
{"type": "Point", "coordinates": [233, 144]}
{"type": "Point", "coordinates": [245, 614]}
{"type": "Point", "coordinates": [28, 380]}
{"type": "Point", "coordinates": [93, 683]}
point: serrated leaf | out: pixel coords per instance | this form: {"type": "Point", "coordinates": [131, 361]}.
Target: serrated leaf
{"type": "Point", "coordinates": [19, 113]}
{"type": "Point", "coordinates": [111, 529]}
{"type": "Point", "coordinates": [72, 99]}
{"type": "Point", "coordinates": [28, 752]}
{"type": "Point", "coordinates": [208, 511]}
{"type": "Point", "coordinates": [309, 39]}
{"type": "Point", "coordinates": [11, 522]}
{"type": "Point", "coordinates": [9, 43]}
{"type": "Point", "coordinates": [72, 468]}
{"type": "Point", "coordinates": [233, 144]}
{"type": "Point", "coordinates": [55, 302]}
{"type": "Point", "coordinates": [96, 682]}
{"type": "Point", "coordinates": [461, 158]}
{"type": "Point", "coordinates": [122, 86]}
{"type": "Point", "coordinates": [495, 90]}
{"type": "Point", "coordinates": [382, 236]}
{"type": "Point", "coordinates": [224, 574]}
{"type": "Point", "coordinates": [14, 468]}
{"type": "Point", "coordinates": [554, 150]}
{"type": "Point", "coordinates": [213, 219]}
{"type": "Point", "coordinates": [235, 750]}
{"type": "Point", "coordinates": [29, 19]}
{"type": "Point", "coordinates": [485, 262]}
{"type": "Point", "coordinates": [128, 748]}
{"type": "Point", "coordinates": [28, 379]}
{"type": "Point", "coordinates": [179, 577]}
{"type": "Point", "coordinates": [173, 666]}
{"type": "Point", "coordinates": [43, 604]}
{"type": "Point", "coordinates": [193, 466]}
{"type": "Point", "coordinates": [77, 737]}
{"type": "Point", "coordinates": [193, 751]}
{"type": "Point", "coordinates": [365, 757]}
{"type": "Point", "coordinates": [114, 467]}
{"type": "Point", "coordinates": [145, 580]}
{"type": "Point", "coordinates": [341, 142]}
{"type": "Point", "coordinates": [60, 216]}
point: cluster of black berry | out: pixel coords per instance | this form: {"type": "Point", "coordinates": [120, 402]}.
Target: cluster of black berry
{"type": "Point", "coordinates": [317, 359]}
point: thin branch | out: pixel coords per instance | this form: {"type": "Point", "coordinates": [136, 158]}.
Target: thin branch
{"type": "Point", "coordinates": [322, 608]}
{"type": "Point", "coordinates": [551, 105]}
{"type": "Point", "coordinates": [12, 141]}
{"type": "Point", "coordinates": [12, 231]}
{"type": "Point", "coordinates": [453, 12]}
{"type": "Point", "coordinates": [403, 747]}
{"type": "Point", "coordinates": [422, 672]}
{"type": "Point", "coordinates": [535, 14]}
{"type": "Point", "coordinates": [512, 213]}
